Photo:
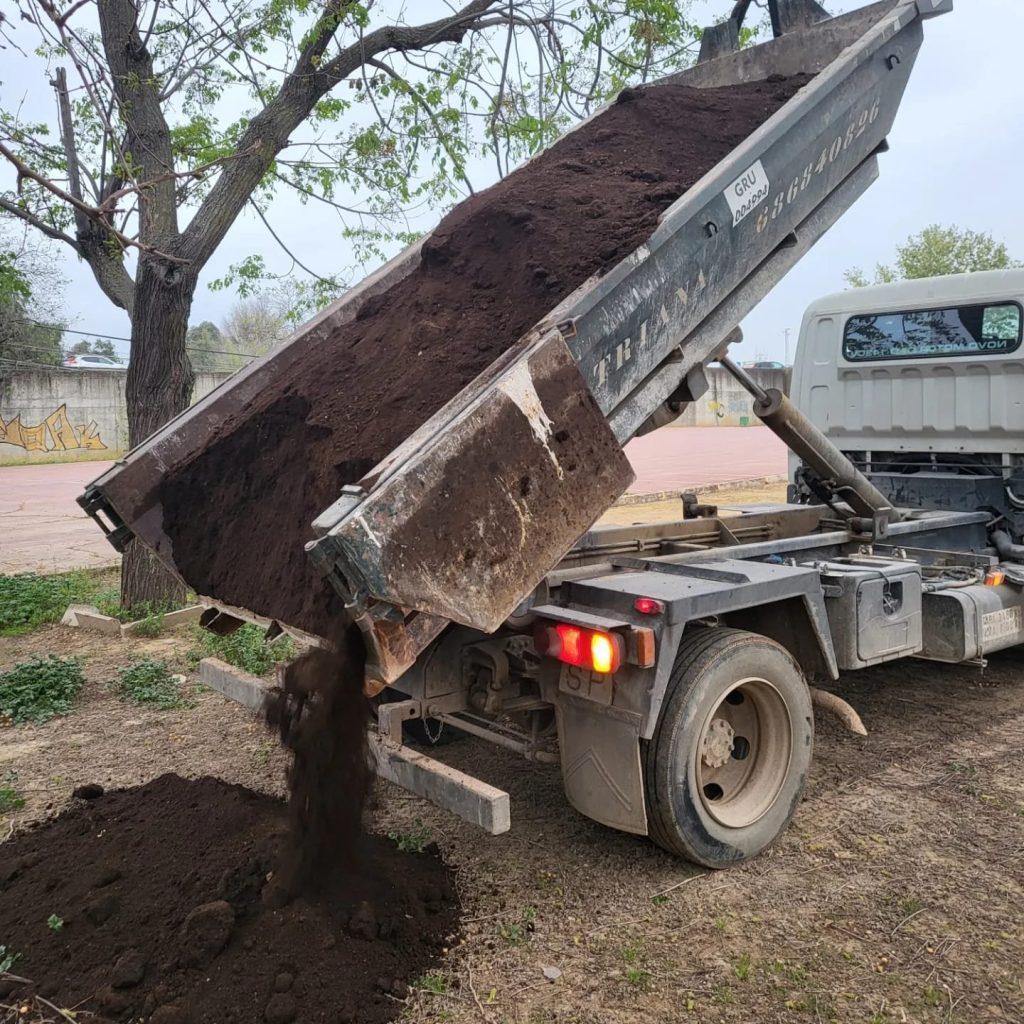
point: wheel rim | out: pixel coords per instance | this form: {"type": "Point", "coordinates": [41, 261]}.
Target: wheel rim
{"type": "Point", "coordinates": [743, 753]}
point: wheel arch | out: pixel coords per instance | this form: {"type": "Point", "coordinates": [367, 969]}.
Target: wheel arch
{"type": "Point", "coordinates": [800, 624]}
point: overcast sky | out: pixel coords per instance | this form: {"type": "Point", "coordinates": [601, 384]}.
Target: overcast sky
{"type": "Point", "coordinates": [957, 147]}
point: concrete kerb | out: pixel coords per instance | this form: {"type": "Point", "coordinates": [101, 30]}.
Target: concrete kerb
{"type": "Point", "coordinates": [86, 616]}
{"type": "Point", "coordinates": [233, 683]}
{"type": "Point", "coordinates": [168, 620]}
{"type": "Point", "coordinates": [726, 485]}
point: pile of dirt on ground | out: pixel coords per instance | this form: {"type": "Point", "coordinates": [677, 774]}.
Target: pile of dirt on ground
{"type": "Point", "coordinates": [150, 904]}
{"type": "Point", "coordinates": [239, 513]}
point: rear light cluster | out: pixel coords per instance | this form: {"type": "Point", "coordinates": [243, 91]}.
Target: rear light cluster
{"type": "Point", "coordinates": [585, 648]}
{"type": "Point", "coordinates": [598, 650]}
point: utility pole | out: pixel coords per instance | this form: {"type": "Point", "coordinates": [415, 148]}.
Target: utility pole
{"type": "Point", "coordinates": [785, 334]}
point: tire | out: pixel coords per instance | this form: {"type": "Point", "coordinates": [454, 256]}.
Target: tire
{"type": "Point", "coordinates": [711, 798]}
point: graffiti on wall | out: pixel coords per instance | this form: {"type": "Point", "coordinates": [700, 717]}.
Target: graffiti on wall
{"type": "Point", "coordinates": [56, 433]}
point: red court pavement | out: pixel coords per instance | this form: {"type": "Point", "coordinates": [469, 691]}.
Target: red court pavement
{"type": "Point", "coordinates": [41, 527]}
{"type": "Point", "coordinates": [678, 458]}
{"type": "Point", "coordinates": [43, 530]}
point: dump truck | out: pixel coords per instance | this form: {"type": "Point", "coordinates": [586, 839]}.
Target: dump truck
{"type": "Point", "coordinates": [665, 668]}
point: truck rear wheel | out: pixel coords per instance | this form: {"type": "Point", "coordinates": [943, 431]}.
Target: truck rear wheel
{"type": "Point", "coordinates": [726, 766]}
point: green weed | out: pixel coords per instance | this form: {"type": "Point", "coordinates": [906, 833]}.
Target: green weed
{"type": "Point", "coordinates": [152, 625]}
{"type": "Point", "coordinates": [638, 978]}
{"type": "Point", "coordinates": [39, 689]}
{"type": "Point", "coordinates": [517, 933]}
{"type": "Point", "coordinates": [434, 982]}
{"type": "Point", "coordinates": [741, 966]}
{"type": "Point", "coordinates": [631, 954]}
{"type": "Point", "coordinates": [148, 681]}
{"type": "Point", "coordinates": [910, 905]}
{"type": "Point", "coordinates": [724, 995]}
{"type": "Point", "coordinates": [933, 996]}
{"type": "Point", "coordinates": [8, 958]}
{"type": "Point", "coordinates": [55, 923]}
{"type": "Point", "coordinates": [10, 798]}
{"type": "Point", "coordinates": [793, 973]}
{"type": "Point", "coordinates": [246, 649]}
{"type": "Point", "coordinates": [415, 840]}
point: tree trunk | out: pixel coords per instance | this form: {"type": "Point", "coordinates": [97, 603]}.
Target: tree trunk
{"type": "Point", "coordinates": [159, 386]}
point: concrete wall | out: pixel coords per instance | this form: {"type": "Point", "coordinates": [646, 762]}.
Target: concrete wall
{"type": "Point", "coordinates": [726, 404]}
{"type": "Point", "coordinates": [67, 415]}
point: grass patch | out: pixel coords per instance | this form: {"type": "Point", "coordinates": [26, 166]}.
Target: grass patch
{"type": "Point", "coordinates": [724, 995]}
{"type": "Point", "coordinates": [741, 966]}
{"type": "Point", "coordinates": [10, 798]}
{"type": "Point", "coordinates": [246, 649]}
{"type": "Point", "coordinates": [434, 982]}
{"type": "Point", "coordinates": [148, 681]}
{"type": "Point", "coordinates": [39, 689]}
{"type": "Point", "coordinates": [910, 905]}
{"type": "Point", "coordinates": [637, 977]}
{"type": "Point", "coordinates": [29, 600]}
{"type": "Point", "coordinates": [151, 626]}
{"type": "Point", "coordinates": [793, 973]}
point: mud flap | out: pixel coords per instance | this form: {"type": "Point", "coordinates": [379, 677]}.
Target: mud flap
{"type": "Point", "coordinates": [601, 767]}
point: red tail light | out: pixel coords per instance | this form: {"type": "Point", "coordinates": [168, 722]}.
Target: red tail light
{"type": "Point", "coordinates": [586, 648]}
{"type": "Point", "coordinates": [648, 606]}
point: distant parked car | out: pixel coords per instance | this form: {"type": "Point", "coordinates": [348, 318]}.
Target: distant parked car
{"type": "Point", "coordinates": [764, 364]}
{"type": "Point", "coordinates": [88, 361]}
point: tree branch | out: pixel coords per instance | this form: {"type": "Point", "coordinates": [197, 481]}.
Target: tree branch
{"type": "Point", "coordinates": [277, 238]}
{"type": "Point", "coordinates": [423, 105]}
{"type": "Point", "coordinates": [147, 135]}
{"type": "Point", "coordinates": [38, 224]}
{"type": "Point", "coordinates": [267, 133]}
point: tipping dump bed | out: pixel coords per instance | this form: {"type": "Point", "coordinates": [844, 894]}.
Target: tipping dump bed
{"type": "Point", "coordinates": [464, 517]}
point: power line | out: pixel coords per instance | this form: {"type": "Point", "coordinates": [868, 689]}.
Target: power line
{"type": "Point", "coordinates": [188, 348]}
{"type": "Point", "coordinates": [70, 330]}
{"type": "Point", "coordinates": [116, 337]}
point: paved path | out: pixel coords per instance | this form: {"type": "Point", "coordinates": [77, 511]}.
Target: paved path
{"type": "Point", "coordinates": [41, 527]}
{"type": "Point", "coordinates": [43, 530]}
{"type": "Point", "coordinates": [678, 458]}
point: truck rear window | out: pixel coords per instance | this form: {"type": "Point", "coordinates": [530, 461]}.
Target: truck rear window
{"type": "Point", "coordinates": [954, 331]}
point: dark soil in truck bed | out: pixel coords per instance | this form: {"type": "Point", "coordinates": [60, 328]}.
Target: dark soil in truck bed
{"type": "Point", "coordinates": [163, 916]}
{"type": "Point", "coordinates": [239, 513]}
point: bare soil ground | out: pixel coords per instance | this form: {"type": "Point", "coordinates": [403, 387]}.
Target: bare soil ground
{"type": "Point", "coordinates": [896, 895]}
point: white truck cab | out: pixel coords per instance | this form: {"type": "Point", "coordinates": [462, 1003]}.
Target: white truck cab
{"type": "Point", "coordinates": [921, 384]}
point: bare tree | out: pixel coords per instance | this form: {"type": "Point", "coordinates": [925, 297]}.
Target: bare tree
{"type": "Point", "coordinates": [256, 324]}
{"type": "Point", "coordinates": [173, 117]}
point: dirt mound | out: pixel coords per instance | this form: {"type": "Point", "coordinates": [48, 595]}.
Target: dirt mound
{"type": "Point", "coordinates": [494, 266]}
{"type": "Point", "coordinates": [161, 893]}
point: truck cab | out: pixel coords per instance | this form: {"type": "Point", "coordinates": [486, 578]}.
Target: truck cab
{"type": "Point", "coordinates": [921, 385]}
